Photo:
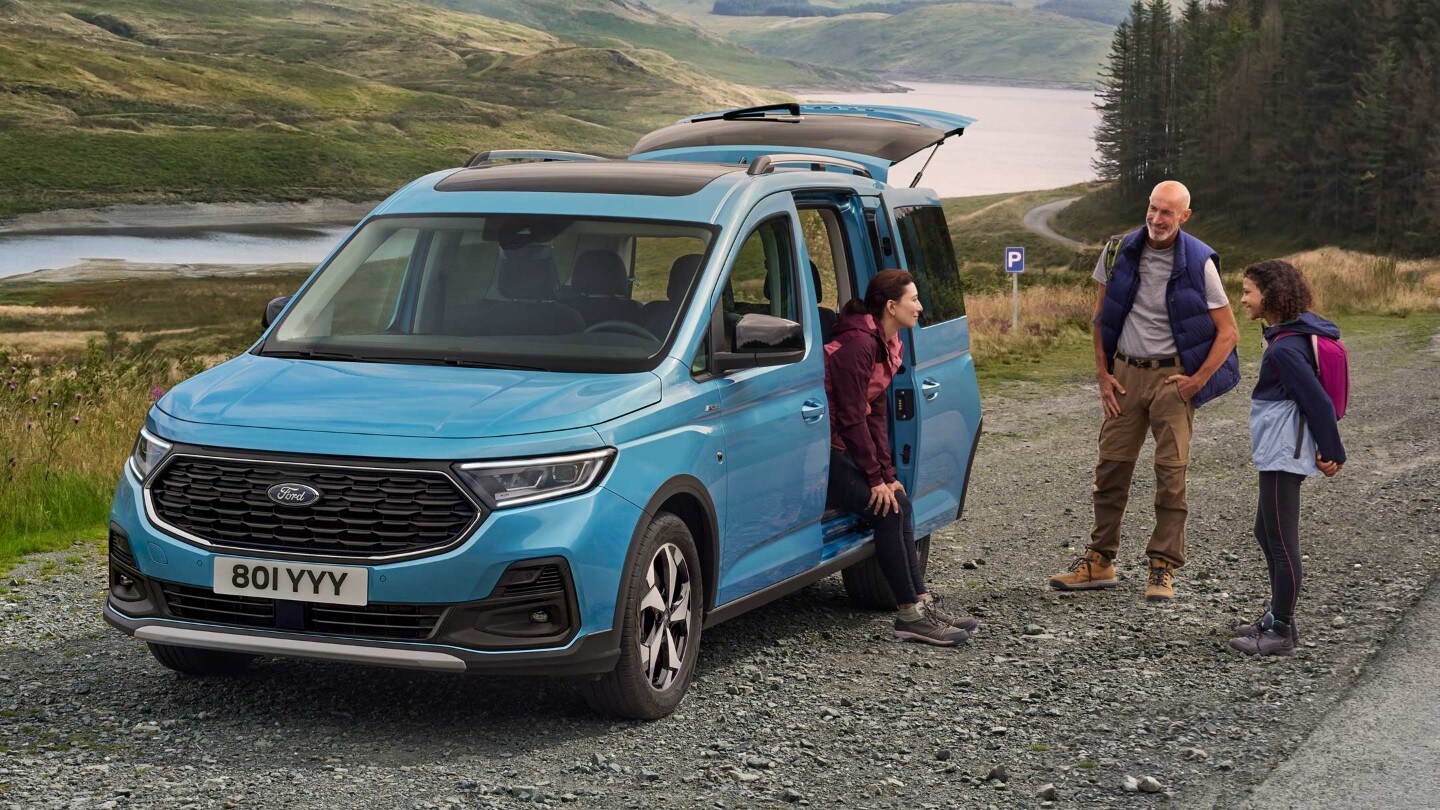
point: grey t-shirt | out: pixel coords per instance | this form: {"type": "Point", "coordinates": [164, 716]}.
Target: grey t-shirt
{"type": "Point", "coordinates": [1147, 329]}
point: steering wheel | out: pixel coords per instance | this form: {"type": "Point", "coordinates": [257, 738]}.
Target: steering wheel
{"type": "Point", "coordinates": [624, 327]}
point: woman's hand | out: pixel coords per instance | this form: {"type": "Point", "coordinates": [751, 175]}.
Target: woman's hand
{"type": "Point", "coordinates": [1330, 468]}
{"type": "Point", "coordinates": [882, 500]}
{"type": "Point", "coordinates": [896, 486]}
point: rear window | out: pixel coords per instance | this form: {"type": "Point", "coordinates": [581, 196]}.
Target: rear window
{"type": "Point", "coordinates": [925, 238]}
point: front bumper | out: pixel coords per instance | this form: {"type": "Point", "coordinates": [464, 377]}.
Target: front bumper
{"type": "Point", "coordinates": [594, 654]}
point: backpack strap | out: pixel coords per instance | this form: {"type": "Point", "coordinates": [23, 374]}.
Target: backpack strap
{"type": "Point", "coordinates": [1111, 254]}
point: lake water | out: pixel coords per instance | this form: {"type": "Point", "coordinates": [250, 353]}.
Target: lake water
{"type": "Point", "coordinates": [1023, 139]}
{"type": "Point", "coordinates": [273, 244]}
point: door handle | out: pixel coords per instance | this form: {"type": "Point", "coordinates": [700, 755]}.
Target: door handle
{"type": "Point", "coordinates": [929, 388]}
{"type": "Point", "coordinates": [812, 411]}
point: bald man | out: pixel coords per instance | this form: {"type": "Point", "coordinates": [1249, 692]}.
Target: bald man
{"type": "Point", "coordinates": [1164, 338]}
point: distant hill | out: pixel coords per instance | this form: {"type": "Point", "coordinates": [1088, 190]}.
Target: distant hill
{"type": "Point", "coordinates": [133, 100]}
{"type": "Point", "coordinates": [1110, 12]}
{"type": "Point", "coordinates": [949, 42]}
{"type": "Point", "coordinates": [626, 23]}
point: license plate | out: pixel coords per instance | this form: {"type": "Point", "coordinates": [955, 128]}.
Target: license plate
{"type": "Point", "coordinates": [301, 582]}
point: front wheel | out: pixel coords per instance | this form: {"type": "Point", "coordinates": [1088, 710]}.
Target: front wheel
{"type": "Point", "coordinates": [660, 634]}
{"type": "Point", "coordinates": [867, 586]}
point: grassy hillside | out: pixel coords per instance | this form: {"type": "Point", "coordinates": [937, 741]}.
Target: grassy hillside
{"type": "Point", "coordinates": [960, 41]}
{"type": "Point", "coordinates": [137, 100]}
{"type": "Point", "coordinates": [622, 23]}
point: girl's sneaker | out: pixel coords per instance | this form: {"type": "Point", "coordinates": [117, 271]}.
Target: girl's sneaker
{"type": "Point", "coordinates": [1254, 628]}
{"type": "Point", "coordinates": [1275, 638]}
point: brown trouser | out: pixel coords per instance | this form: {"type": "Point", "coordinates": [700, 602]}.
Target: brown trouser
{"type": "Point", "coordinates": [1149, 404]}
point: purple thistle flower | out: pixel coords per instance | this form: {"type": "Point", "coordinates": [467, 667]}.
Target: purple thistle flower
{"type": "Point", "coordinates": [75, 419]}
{"type": "Point", "coordinates": [34, 399]}
{"type": "Point", "coordinates": [157, 392]}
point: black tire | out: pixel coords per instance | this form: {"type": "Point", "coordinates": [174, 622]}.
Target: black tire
{"type": "Point", "coordinates": [192, 661]}
{"type": "Point", "coordinates": [866, 585]}
{"type": "Point", "coordinates": [630, 691]}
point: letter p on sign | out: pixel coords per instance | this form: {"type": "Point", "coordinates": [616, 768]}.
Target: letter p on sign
{"type": "Point", "coordinates": [1014, 259]}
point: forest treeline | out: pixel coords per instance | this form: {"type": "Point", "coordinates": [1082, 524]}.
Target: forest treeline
{"type": "Point", "coordinates": [1319, 116]}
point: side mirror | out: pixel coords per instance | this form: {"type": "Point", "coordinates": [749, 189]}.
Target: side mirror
{"type": "Point", "coordinates": [763, 340]}
{"type": "Point", "coordinates": [273, 310]}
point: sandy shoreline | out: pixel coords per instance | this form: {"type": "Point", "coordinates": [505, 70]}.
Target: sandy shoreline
{"type": "Point", "coordinates": [184, 216]}
{"type": "Point", "coordinates": [120, 270]}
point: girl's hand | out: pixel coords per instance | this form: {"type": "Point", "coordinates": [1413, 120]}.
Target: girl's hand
{"type": "Point", "coordinates": [882, 500]}
{"type": "Point", "coordinates": [1329, 468]}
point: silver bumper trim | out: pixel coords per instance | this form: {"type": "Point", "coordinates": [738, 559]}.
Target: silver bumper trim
{"type": "Point", "coordinates": [329, 651]}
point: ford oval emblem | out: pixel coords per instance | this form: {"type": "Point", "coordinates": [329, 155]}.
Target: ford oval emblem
{"type": "Point", "coordinates": [293, 494]}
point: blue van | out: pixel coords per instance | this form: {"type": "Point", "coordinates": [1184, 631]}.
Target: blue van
{"type": "Point", "coordinates": [554, 414]}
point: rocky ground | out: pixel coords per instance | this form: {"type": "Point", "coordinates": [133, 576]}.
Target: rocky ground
{"type": "Point", "coordinates": [1061, 701]}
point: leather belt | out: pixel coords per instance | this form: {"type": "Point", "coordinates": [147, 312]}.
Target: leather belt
{"type": "Point", "coordinates": [1147, 362]}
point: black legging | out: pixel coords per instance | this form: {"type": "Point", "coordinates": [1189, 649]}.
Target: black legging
{"type": "Point", "coordinates": [1277, 527]}
{"type": "Point", "coordinates": [894, 533]}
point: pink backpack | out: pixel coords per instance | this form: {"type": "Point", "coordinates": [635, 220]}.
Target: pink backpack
{"type": "Point", "coordinates": [1332, 366]}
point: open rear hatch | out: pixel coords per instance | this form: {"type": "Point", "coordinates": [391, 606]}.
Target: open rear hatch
{"type": "Point", "coordinates": [877, 137]}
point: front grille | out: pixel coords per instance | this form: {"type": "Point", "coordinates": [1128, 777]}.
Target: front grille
{"type": "Point", "coordinates": [204, 605]}
{"type": "Point", "coordinates": [360, 514]}
{"type": "Point", "coordinates": [387, 621]}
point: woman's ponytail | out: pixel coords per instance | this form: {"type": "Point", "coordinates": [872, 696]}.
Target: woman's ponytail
{"type": "Point", "coordinates": [886, 286]}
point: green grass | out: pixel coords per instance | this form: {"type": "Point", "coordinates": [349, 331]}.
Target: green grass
{"type": "Point", "coordinates": [291, 100]}
{"type": "Point", "coordinates": [944, 43]}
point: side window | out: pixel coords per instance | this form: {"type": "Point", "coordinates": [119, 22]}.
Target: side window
{"type": "Point", "coordinates": [925, 238]}
{"type": "Point", "coordinates": [822, 252]}
{"type": "Point", "coordinates": [762, 278]}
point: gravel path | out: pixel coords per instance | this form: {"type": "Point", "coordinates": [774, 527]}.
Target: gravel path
{"type": "Point", "coordinates": [806, 701]}
{"type": "Point", "coordinates": [1038, 219]}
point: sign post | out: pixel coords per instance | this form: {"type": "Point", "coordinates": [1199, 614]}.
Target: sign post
{"type": "Point", "coordinates": [1014, 265]}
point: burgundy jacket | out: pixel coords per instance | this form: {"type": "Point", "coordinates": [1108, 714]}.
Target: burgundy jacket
{"type": "Point", "coordinates": [859, 366]}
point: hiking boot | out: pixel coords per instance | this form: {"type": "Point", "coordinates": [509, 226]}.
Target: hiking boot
{"type": "Point", "coordinates": [1254, 628]}
{"type": "Point", "coordinates": [935, 606]}
{"type": "Point", "coordinates": [926, 629]}
{"type": "Point", "coordinates": [1089, 572]}
{"type": "Point", "coordinates": [1161, 587]}
{"type": "Point", "coordinates": [1275, 638]}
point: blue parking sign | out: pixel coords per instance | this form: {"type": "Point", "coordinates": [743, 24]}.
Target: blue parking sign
{"type": "Point", "coordinates": [1014, 259]}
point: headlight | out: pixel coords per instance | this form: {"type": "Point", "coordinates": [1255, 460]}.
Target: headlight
{"type": "Point", "coordinates": [148, 453]}
{"type": "Point", "coordinates": [512, 483]}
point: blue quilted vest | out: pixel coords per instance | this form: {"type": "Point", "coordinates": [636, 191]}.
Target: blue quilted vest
{"type": "Point", "coordinates": [1190, 320]}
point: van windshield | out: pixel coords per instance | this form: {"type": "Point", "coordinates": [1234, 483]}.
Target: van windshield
{"type": "Point", "coordinates": [549, 293]}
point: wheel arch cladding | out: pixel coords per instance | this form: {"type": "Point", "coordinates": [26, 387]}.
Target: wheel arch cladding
{"type": "Point", "coordinates": [687, 498]}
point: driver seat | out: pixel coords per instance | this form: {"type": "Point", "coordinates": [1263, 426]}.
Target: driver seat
{"type": "Point", "coordinates": [601, 285]}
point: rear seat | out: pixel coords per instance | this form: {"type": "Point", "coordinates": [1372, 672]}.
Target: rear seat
{"type": "Point", "coordinates": [531, 285]}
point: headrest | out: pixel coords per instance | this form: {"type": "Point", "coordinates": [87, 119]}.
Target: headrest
{"type": "Point", "coordinates": [815, 276]}
{"type": "Point", "coordinates": [528, 274]}
{"type": "Point", "coordinates": [600, 273]}
{"type": "Point", "coordinates": [682, 272]}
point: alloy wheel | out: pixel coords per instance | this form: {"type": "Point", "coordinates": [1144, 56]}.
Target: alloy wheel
{"type": "Point", "coordinates": [664, 635]}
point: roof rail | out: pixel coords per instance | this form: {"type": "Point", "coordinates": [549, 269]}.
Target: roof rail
{"type": "Point", "coordinates": [765, 164]}
{"type": "Point", "coordinates": [546, 155]}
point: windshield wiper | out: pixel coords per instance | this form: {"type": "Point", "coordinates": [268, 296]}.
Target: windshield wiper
{"type": "Point", "coordinates": [467, 363]}
{"type": "Point", "coordinates": [307, 354]}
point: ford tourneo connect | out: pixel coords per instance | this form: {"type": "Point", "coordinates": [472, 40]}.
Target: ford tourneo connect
{"type": "Point", "coordinates": [553, 413]}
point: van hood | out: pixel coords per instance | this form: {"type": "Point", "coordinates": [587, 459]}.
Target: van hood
{"type": "Point", "coordinates": [389, 399]}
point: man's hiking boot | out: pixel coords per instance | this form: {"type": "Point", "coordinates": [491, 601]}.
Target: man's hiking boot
{"type": "Point", "coordinates": [1254, 628]}
{"type": "Point", "coordinates": [1090, 571]}
{"type": "Point", "coordinates": [1275, 638]}
{"type": "Point", "coordinates": [926, 629]}
{"type": "Point", "coordinates": [935, 606]}
{"type": "Point", "coordinates": [1161, 586]}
